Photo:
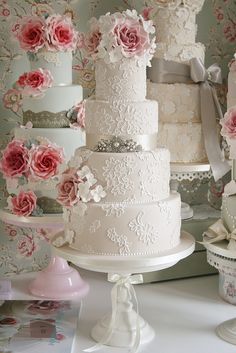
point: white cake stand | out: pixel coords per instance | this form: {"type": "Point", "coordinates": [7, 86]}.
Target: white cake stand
{"type": "Point", "coordinates": [188, 171]}
{"type": "Point", "coordinates": [58, 280]}
{"type": "Point", "coordinates": [224, 260]}
{"type": "Point", "coordinates": [123, 327]}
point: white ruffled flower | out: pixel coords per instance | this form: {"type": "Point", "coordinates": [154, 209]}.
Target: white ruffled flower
{"type": "Point", "coordinates": [66, 215]}
{"type": "Point", "coordinates": [84, 192]}
{"type": "Point", "coordinates": [85, 172]}
{"type": "Point", "coordinates": [98, 193]}
{"type": "Point", "coordinates": [69, 236]}
{"type": "Point", "coordinates": [80, 209]}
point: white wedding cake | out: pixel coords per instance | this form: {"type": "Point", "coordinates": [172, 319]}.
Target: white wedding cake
{"type": "Point", "coordinates": [116, 193]}
{"type": "Point", "coordinates": [180, 127]}
{"type": "Point", "coordinates": [50, 105]}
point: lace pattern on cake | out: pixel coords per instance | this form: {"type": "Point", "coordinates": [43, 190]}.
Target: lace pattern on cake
{"type": "Point", "coordinates": [182, 53]}
{"type": "Point", "coordinates": [95, 226]}
{"type": "Point", "coordinates": [116, 174]}
{"type": "Point", "coordinates": [114, 209]}
{"type": "Point", "coordinates": [46, 119]}
{"type": "Point", "coordinates": [120, 240]}
{"type": "Point", "coordinates": [146, 232]}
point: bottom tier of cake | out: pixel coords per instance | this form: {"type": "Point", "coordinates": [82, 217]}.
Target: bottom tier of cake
{"type": "Point", "coordinates": [124, 229]}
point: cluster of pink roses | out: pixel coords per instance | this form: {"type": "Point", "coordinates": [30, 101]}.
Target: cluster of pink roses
{"type": "Point", "coordinates": [119, 35]}
{"type": "Point", "coordinates": [55, 33]}
{"type": "Point", "coordinates": [35, 83]}
{"type": "Point", "coordinates": [31, 160]}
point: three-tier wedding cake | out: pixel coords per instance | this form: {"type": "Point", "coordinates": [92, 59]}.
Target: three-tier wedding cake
{"type": "Point", "coordinates": [180, 126]}
{"type": "Point", "coordinates": [115, 192]}
{"type": "Point", "coordinates": [53, 115]}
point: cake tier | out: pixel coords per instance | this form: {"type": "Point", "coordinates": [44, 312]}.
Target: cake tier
{"type": "Point", "coordinates": [184, 141]}
{"type": "Point", "coordinates": [178, 103]}
{"type": "Point", "coordinates": [126, 229]}
{"type": "Point", "coordinates": [58, 63]}
{"type": "Point", "coordinates": [121, 118]}
{"type": "Point", "coordinates": [130, 177]}
{"type": "Point", "coordinates": [182, 53]}
{"type": "Point", "coordinates": [51, 109]}
{"type": "Point", "coordinates": [124, 80]}
{"type": "Point", "coordinates": [228, 212]}
{"type": "Point", "coordinates": [231, 95]}
{"type": "Point", "coordinates": [175, 25]}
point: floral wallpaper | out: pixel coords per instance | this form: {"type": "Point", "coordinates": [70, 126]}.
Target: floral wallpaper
{"type": "Point", "coordinates": [23, 249]}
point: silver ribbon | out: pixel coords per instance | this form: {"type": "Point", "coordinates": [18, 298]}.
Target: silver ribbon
{"type": "Point", "coordinates": [127, 283]}
{"type": "Point", "coordinates": [217, 232]}
{"type": "Point", "coordinates": [146, 142]}
{"type": "Point", "coordinates": [163, 71]}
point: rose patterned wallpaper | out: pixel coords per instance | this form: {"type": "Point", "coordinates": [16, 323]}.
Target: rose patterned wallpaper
{"type": "Point", "coordinates": [23, 249]}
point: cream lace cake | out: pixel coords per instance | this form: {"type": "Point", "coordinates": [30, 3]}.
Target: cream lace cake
{"type": "Point", "coordinates": [179, 103]}
{"type": "Point", "coordinates": [53, 113]}
{"type": "Point", "coordinates": [115, 192]}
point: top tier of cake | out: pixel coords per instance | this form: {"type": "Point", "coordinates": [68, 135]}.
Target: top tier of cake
{"type": "Point", "coordinates": [58, 63]}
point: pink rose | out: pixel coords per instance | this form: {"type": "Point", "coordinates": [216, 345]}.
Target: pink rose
{"type": "Point", "coordinates": [229, 123]}
{"type": "Point", "coordinates": [60, 33]}
{"type": "Point", "coordinates": [45, 161]}
{"type": "Point", "coordinates": [67, 189]}
{"type": "Point", "coordinates": [80, 116]}
{"type": "Point", "coordinates": [15, 160]}
{"type": "Point", "coordinates": [24, 203]}
{"type": "Point", "coordinates": [91, 42]}
{"type": "Point", "coordinates": [132, 37]}
{"type": "Point", "coordinates": [31, 33]}
{"type": "Point", "coordinates": [12, 99]}
{"type": "Point", "coordinates": [26, 246]}
{"type": "Point", "coordinates": [35, 82]}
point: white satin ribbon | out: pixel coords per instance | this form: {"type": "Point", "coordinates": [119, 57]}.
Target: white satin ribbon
{"type": "Point", "coordinates": [217, 232]}
{"type": "Point", "coordinates": [127, 282]}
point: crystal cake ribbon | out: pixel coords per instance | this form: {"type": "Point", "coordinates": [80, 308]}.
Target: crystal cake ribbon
{"type": "Point", "coordinates": [120, 144]}
{"type": "Point", "coordinates": [163, 71]}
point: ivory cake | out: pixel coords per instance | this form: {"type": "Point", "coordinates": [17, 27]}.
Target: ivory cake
{"type": "Point", "coordinates": [116, 194]}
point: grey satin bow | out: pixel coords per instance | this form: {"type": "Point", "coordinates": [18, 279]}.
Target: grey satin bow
{"type": "Point", "coordinates": [163, 71]}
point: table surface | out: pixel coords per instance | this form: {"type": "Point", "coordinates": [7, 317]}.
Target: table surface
{"type": "Point", "coordinates": [184, 313]}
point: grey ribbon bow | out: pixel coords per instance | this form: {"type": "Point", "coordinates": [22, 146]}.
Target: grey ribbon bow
{"type": "Point", "coordinates": [163, 71]}
{"type": "Point", "coordinates": [217, 232]}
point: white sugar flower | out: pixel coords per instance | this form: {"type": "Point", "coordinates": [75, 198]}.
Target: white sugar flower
{"type": "Point", "coordinates": [80, 209]}
{"type": "Point", "coordinates": [98, 193]}
{"type": "Point", "coordinates": [86, 173]}
{"type": "Point", "coordinates": [69, 236]}
{"type": "Point", "coordinates": [66, 215]}
{"type": "Point", "coordinates": [84, 192]}
{"type": "Point", "coordinates": [9, 203]}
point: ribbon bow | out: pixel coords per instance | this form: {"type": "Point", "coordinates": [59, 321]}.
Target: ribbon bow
{"type": "Point", "coordinates": [163, 71]}
{"type": "Point", "coordinates": [217, 232]}
{"type": "Point", "coordinates": [122, 291]}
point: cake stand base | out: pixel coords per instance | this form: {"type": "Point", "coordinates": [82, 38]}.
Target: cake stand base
{"type": "Point", "coordinates": [227, 331]}
{"type": "Point", "coordinates": [124, 327]}
{"type": "Point", "coordinates": [57, 281]}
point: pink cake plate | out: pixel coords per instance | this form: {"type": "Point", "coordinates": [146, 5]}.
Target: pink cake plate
{"type": "Point", "coordinates": [58, 280]}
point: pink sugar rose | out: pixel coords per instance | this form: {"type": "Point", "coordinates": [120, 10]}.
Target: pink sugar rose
{"type": "Point", "coordinates": [67, 189]}
{"type": "Point", "coordinates": [229, 123]}
{"type": "Point", "coordinates": [24, 203]}
{"type": "Point", "coordinates": [31, 34]}
{"type": "Point", "coordinates": [15, 160]}
{"type": "Point", "coordinates": [80, 116]}
{"type": "Point", "coordinates": [45, 161]}
{"type": "Point", "coordinates": [12, 99]}
{"type": "Point", "coordinates": [91, 42]}
{"type": "Point", "coordinates": [131, 37]}
{"type": "Point", "coordinates": [35, 82]}
{"type": "Point", "coordinates": [60, 33]}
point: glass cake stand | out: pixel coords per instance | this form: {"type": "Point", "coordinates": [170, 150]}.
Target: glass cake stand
{"type": "Point", "coordinates": [188, 171]}
{"type": "Point", "coordinates": [59, 280]}
{"type": "Point", "coordinates": [124, 327]}
{"type": "Point", "coordinates": [224, 260]}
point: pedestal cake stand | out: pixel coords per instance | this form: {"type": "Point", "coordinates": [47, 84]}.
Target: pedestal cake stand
{"type": "Point", "coordinates": [58, 280]}
{"type": "Point", "coordinates": [224, 260]}
{"type": "Point", "coordinates": [188, 171]}
{"type": "Point", "coordinates": [123, 327]}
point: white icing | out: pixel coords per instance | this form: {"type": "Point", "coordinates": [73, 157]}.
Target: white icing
{"type": "Point", "coordinates": [140, 177]}
{"type": "Point", "coordinates": [121, 118]}
{"type": "Point", "coordinates": [55, 99]}
{"type": "Point", "coordinates": [58, 63]}
{"type": "Point", "coordinates": [184, 141]}
{"type": "Point", "coordinates": [140, 229]}
{"type": "Point", "coordinates": [178, 103]}
{"type": "Point", "coordinates": [124, 80]}
{"type": "Point", "coordinates": [182, 53]}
